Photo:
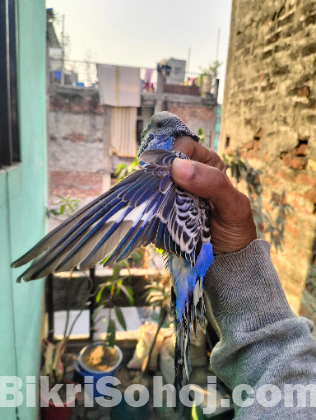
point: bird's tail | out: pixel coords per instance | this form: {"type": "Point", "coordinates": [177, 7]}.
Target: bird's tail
{"type": "Point", "coordinates": [193, 312]}
{"type": "Point", "coordinates": [186, 308]}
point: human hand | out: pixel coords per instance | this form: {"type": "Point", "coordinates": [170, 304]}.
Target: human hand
{"type": "Point", "coordinates": [231, 222]}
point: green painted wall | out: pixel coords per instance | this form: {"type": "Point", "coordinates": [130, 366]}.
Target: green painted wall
{"type": "Point", "coordinates": [22, 209]}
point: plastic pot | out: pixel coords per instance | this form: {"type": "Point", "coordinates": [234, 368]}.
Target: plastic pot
{"type": "Point", "coordinates": [83, 371]}
{"type": "Point", "coordinates": [58, 412]}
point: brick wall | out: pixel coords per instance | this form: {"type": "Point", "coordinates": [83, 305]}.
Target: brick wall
{"type": "Point", "coordinates": [78, 133]}
{"type": "Point", "coordinates": [195, 117]}
{"type": "Point", "coordinates": [269, 116]}
{"type": "Point", "coordinates": [76, 184]}
{"type": "Point", "coordinates": [182, 89]}
{"type": "Point", "coordinates": [190, 113]}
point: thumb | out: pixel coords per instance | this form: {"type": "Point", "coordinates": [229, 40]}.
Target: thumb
{"type": "Point", "coordinates": [206, 182]}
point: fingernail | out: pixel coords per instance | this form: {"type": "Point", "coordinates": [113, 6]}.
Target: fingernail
{"type": "Point", "coordinates": [183, 169]}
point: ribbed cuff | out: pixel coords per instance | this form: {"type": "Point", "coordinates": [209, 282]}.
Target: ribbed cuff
{"type": "Point", "coordinates": [245, 291]}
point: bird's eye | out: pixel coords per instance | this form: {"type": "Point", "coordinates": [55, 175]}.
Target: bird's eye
{"type": "Point", "coordinates": [159, 124]}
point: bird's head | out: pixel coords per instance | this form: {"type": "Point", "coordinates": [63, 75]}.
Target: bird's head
{"type": "Point", "coordinates": [164, 126]}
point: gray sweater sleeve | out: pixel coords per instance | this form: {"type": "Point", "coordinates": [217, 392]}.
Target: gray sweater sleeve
{"type": "Point", "coordinates": [263, 344]}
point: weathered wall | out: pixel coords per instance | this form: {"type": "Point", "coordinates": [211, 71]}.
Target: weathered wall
{"type": "Point", "coordinates": [195, 116]}
{"type": "Point", "coordinates": [78, 127]}
{"type": "Point", "coordinates": [269, 115]}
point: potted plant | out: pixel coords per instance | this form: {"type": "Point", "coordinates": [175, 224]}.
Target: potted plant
{"type": "Point", "coordinates": [207, 76]}
{"type": "Point", "coordinates": [102, 358]}
{"type": "Point", "coordinates": [54, 369]}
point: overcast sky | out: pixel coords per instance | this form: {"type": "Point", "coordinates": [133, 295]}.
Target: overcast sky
{"type": "Point", "coordinates": [143, 32]}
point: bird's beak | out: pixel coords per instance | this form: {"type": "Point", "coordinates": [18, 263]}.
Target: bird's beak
{"type": "Point", "coordinates": [145, 131]}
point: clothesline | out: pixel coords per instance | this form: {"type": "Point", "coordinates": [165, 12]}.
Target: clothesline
{"type": "Point", "coordinates": [93, 62]}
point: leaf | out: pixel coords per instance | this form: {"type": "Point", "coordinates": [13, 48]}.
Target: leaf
{"type": "Point", "coordinates": [120, 317]}
{"type": "Point", "coordinates": [116, 271]}
{"type": "Point", "coordinates": [105, 260]}
{"type": "Point", "coordinates": [128, 293]}
{"type": "Point", "coordinates": [200, 132]}
{"type": "Point", "coordinates": [98, 296]}
{"type": "Point", "coordinates": [110, 337]}
{"type": "Point", "coordinates": [96, 312]}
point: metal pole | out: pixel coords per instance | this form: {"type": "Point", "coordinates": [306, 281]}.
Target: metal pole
{"type": "Point", "coordinates": [62, 76]}
{"type": "Point", "coordinates": [160, 83]}
{"type": "Point", "coordinates": [50, 306]}
{"type": "Point", "coordinates": [218, 41]}
{"type": "Point", "coordinates": [92, 302]}
{"type": "Point", "coordinates": [188, 62]}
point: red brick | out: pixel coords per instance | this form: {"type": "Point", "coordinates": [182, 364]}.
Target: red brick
{"type": "Point", "coordinates": [310, 196]}
{"type": "Point", "coordinates": [254, 154]}
{"type": "Point", "coordinates": [293, 230]}
{"type": "Point", "coordinates": [270, 181]}
{"type": "Point", "coordinates": [75, 192]}
{"type": "Point", "coordinates": [75, 137]}
{"type": "Point", "coordinates": [301, 150]}
{"type": "Point", "coordinates": [248, 145]}
{"type": "Point", "coordinates": [293, 162]}
{"type": "Point", "coordinates": [256, 145]}
{"type": "Point", "coordinates": [189, 113]}
{"type": "Point", "coordinates": [281, 173]}
{"type": "Point", "coordinates": [303, 92]}
{"type": "Point", "coordinates": [77, 179]}
{"type": "Point", "coordinates": [305, 179]}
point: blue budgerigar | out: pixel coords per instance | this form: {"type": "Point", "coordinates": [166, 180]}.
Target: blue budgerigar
{"type": "Point", "coordinates": [145, 207]}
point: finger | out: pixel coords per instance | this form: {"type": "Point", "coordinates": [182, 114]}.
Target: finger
{"type": "Point", "coordinates": [198, 152]}
{"type": "Point", "coordinates": [209, 183]}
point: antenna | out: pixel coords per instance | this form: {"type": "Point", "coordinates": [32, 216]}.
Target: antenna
{"type": "Point", "coordinates": [188, 62]}
{"type": "Point", "coordinates": [218, 42]}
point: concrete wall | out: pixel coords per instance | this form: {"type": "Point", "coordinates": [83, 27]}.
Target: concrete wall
{"type": "Point", "coordinates": [78, 127]}
{"type": "Point", "coordinates": [22, 210]}
{"type": "Point", "coordinates": [79, 151]}
{"type": "Point", "coordinates": [179, 75]}
{"type": "Point", "coordinates": [269, 116]}
{"type": "Point", "coordinates": [195, 116]}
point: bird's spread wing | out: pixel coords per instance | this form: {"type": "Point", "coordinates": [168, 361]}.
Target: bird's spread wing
{"type": "Point", "coordinates": [146, 207]}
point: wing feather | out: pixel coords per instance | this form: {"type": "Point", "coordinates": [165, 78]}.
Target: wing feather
{"type": "Point", "coordinates": [146, 207]}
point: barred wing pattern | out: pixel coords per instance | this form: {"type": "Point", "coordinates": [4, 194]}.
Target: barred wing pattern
{"type": "Point", "coordinates": [146, 207]}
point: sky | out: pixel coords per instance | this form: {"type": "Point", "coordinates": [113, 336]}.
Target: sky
{"type": "Point", "coordinates": [143, 32]}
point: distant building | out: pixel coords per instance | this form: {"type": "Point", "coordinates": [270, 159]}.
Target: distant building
{"type": "Point", "coordinates": [177, 72]}
{"type": "Point", "coordinates": [84, 143]}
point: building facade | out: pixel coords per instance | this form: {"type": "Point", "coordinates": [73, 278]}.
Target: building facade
{"type": "Point", "coordinates": [81, 160]}
{"type": "Point", "coordinates": [269, 118]}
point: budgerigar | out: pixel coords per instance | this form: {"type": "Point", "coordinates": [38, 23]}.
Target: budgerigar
{"type": "Point", "coordinates": [145, 207]}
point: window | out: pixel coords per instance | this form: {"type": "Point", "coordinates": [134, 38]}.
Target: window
{"type": "Point", "coordinates": [177, 70]}
{"type": "Point", "coordinates": [139, 111]}
{"type": "Point", "coordinates": [9, 127]}
{"type": "Point", "coordinates": [227, 142]}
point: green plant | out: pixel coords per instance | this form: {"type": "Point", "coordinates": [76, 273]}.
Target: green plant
{"type": "Point", "coordinates": [63, 208]}
{"type": "Point", "coordinates": [114, 285]}
{"type": "Point", "coordinates": [212, 69]}
{"type": "Point", "coordinates": [54, 353]}
{"type": "Point", "coordinates": [122, 170]}
{"type": "Point", "coordinates": [202, 136]}
{"type": "Point", "coordinates": [265, 222]}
